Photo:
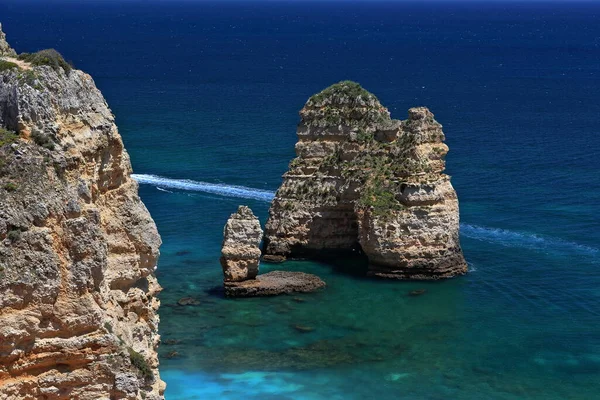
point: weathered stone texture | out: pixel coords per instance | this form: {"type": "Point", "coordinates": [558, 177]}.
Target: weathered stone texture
{"type": "Point", "coordinates": [77, 246]}
{"type": "Point", "coordinates": [275, 283]}
{"type": "Point", "coordinates": [364, 181]}
{"type": "Point", "coordinates": [240, 253]}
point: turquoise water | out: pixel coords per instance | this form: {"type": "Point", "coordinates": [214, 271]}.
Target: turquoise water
{"type": "Point", "coordinates": [206, 96]}
{"type": "Point", "coordinates": [513, 328]}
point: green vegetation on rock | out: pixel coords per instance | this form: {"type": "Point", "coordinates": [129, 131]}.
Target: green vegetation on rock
{"type": "Point", "coordinates": [7, 65]}
{"type": "Point", "coordinates": [108, 327]}
{"type": "Point", "coordinates": [344, 92]}
{"type": "Point", "coordinates": [10, 186]}
{"type": "Point", "coordinates": [29, 77]}
{"type": "Point", "coordinates": [14, 235]}
{"type": "Point", "coordinates": [379, 198]}
{"type": "Point", "coordinates": [7, 137]}
{"type": "Point", "coordinates": [48, 57]}
{"type": "Point", "coordinates": [138, 361]}
{"type": "Point", "coordinates": [42, 139]}
{"type": "Point", "coordinates": [345, 103]}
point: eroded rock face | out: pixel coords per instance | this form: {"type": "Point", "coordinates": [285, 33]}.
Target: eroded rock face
{"type": "Point", "coordinates": [364, 180]}
{"type": "Point", "coordinates": [240, 254]}
{"type": "Point", "coordinates": [78, 248]}
{"type": "Point", "coordinates": [240, 257]}
{"type": "Point", "coordinates": [5, 49]}
{"type": "Point", "coordinates": [275, 283]}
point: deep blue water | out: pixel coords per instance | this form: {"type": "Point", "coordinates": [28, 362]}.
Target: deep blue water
{"type": "Point", "coordinates": [210, 92]}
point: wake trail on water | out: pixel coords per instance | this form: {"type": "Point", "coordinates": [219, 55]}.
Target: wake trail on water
{"type": "Point", "coordinates": [205, 187]}
{"type": "Point", "coordinates": [531, 241]}
{"type": "Point", "coordinates": [503, 237]}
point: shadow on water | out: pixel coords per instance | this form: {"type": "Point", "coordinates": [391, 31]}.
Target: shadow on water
{"type": "Point", "coordinates": [352, 263]}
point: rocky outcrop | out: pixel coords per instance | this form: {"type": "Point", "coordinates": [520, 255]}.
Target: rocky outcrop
{"type": "Point", "coordinates": [240, 257]}
{"type": "Point", "coordinates": [363, 181]}
{"type": "Point", "coordinates": [5, 49]}
{"type": "Point", "coordinates": [275, 283]}
{"type": "Point", "coordinates": [78, 306]}
{"type": "Point", "coordinates": [240, 253]}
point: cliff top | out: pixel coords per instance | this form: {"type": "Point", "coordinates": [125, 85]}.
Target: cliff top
{"type": "Point", "coordinates": [25, 61]}
{"type": "Point", "coordinates": [345, 103]}
{"type": "Point", "coordinates": [343, 92]}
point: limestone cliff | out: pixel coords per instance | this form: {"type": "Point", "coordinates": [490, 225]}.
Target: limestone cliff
{"type": "Point", "coordinates": [78, 306]}
{"type": "Point", "coordinates": [363, 181]}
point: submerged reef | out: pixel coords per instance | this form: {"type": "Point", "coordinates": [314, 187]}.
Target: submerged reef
{"type": "Point", "coordinates": [365, 182]}
{"type": "Point", "coordinates": [78, 248]}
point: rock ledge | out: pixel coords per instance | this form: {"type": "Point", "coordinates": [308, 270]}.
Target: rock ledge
{"type": "Point", "coordinates": [274, 283]}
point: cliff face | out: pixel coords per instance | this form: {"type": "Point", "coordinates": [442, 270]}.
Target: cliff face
{"type": "Point", "coordinates": [78, 312]}
{"type": "Point", "coordinates": [5, 49]}
{"type": "Point", "coordinates": [363, 180]}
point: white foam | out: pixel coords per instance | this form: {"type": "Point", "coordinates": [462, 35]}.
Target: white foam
{"type": "Point", "coordinates": [197, 186]}
{"type": "Point", "coordinates": [502, 237]}
{"type": "Point", "coordinates": [532, 241]}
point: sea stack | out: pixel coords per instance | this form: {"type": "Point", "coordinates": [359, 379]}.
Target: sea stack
{"type": "Point", "coordinates": [240, 253]}
{"type": "Point", "coordinates": [240, 256]}
{"type": "Point", "coordinates": [363, 181]}
{"type": "Point", "coordinates": [78, 248]}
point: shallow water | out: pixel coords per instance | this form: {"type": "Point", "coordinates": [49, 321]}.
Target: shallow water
{"type": "Point", "coordinates": [512, 328]}
{"type": "Point", "coordinates": [206, 98]}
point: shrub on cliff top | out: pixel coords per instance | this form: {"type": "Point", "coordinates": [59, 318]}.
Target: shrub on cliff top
{"type": "Point", "coordinates": [344, 103]}
{"type": "Point", "coordinates": [343, 90]}
{"type": "Point", "coordinates": [7, 65]}
{"type": "Point", "coordinates": [48, 57]}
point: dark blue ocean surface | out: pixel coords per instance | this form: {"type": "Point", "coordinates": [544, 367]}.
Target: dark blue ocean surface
{"type": "Point", "coordinates": [209, 93]}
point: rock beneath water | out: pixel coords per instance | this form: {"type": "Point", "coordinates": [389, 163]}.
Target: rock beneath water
{"type": "Point", "coordinates": [274, 283]}
{"type": "Point", "coordinates": [273, 259]}
{"type": "Point", "coordinates": [303, 329]}
{"type": "Point", "coordinates": [240, 253]}
{"type": "Point", "coordinates": [188, 301]}
{"type": "Point", "coordinates": [417, 292]}
{"type": "Point", "coordinates": [364, 180]}
{"type": "Point", "coordinates": [299, 300]}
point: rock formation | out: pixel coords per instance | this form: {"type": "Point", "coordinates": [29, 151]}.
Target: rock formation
{"type": "Point", "coordinates": [78, 306]}
{"type": "Point", "coordinates": [5, 49]}
{"type": "Point", "coordinates": [362, 180]}
{"type": "Point", "coordinates": [275, 283]}
{"type": "Point", "coordinates": [240, 253]}
{"type": "Point", "coordinates": [240, 257]}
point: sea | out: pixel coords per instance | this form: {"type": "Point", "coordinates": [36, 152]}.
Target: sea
{"type": "Point", "coordinates": [206, 95]}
